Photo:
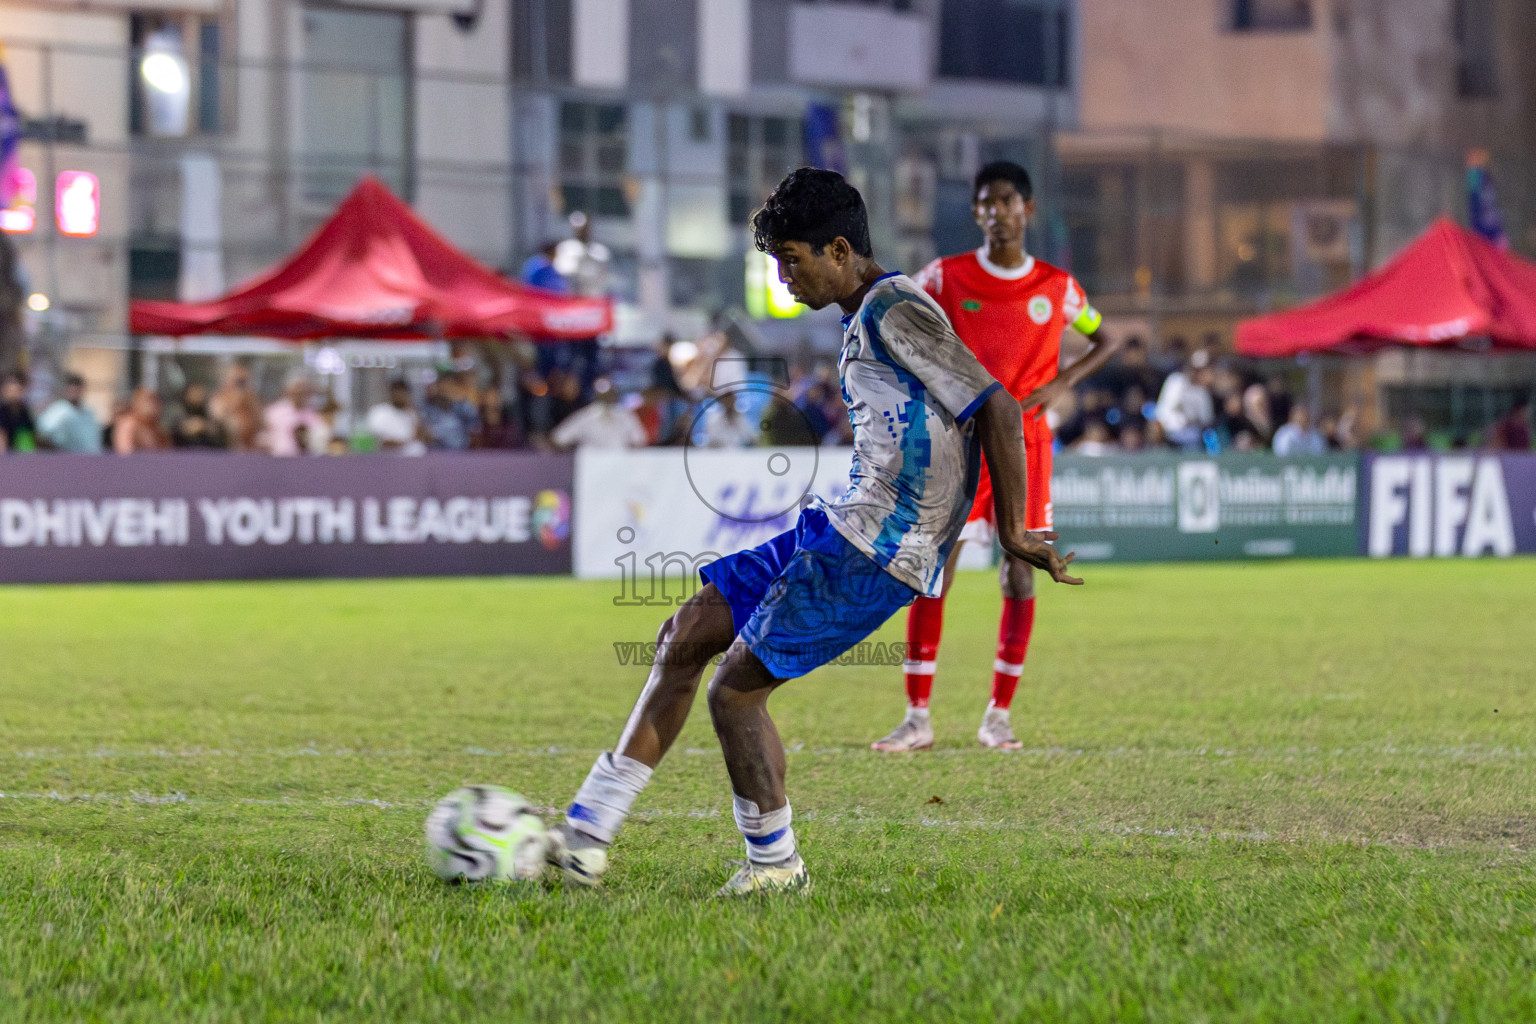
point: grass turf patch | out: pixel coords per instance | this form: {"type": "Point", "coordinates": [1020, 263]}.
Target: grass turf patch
{"type": "Point", "coordinates": [1280, 792]}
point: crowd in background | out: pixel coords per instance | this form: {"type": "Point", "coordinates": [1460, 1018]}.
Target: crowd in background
{"type": "Point", "coordinates": [572, 395]}
{"type": "Point", "coordinates": [561, 396]}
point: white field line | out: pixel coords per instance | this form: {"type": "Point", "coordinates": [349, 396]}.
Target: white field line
{"type": "Point", "coordinates": [1468, 752]}
{"type": "Point", "coordinates": [855, 819]}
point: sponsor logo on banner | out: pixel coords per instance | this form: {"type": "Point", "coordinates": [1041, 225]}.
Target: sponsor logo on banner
{"type": "Point", "coordinates": [1199, 497]}
{"type": "Point", "coordinates": [1162, 506]}
{"type": "Point", "coordinates": [1451, 505]}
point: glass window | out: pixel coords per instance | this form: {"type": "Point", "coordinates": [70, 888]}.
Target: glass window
{"type": "Point", "coordinates": [355, 94]}
{"type": "Point", "coordinates": [1022, 41]}
{"type": "Point", "coordinates": [1476, 45]}
{"type": "Point", "coordinates": [594, 158]}
{"type": "Point", "coordinates": [1271, 15]}
{"type": "Point", "coordinates": [175, 84]}
{"type": "Point", "coordinates": [760, 152]}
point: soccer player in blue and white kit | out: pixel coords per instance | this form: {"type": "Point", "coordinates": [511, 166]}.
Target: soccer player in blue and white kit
{"type": "Point", "coordinates": [923, 411]}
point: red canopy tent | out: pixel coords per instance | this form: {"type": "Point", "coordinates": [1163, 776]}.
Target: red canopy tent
{"type": "Point", "coordinates": [1448, 285]}
{"type": "Point", "coordinates": [376, 270]}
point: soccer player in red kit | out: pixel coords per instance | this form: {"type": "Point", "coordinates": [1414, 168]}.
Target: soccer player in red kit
{"type": "Point", "coordinates": [1010, 309]}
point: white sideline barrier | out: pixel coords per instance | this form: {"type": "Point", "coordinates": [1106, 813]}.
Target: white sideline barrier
{"type": "Point", "coordinates": [690, 502]}
{"type": "Point", "coordinates": [684, 506]}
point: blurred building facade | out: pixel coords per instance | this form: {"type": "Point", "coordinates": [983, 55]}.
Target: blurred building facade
{"type": "Point", "coordinates": [222, 132]}
{"type": "Point", "coordinates": [1196, 160]}
{"type": "Point", "coordinates": [668, 122]}
{"type": "Point", "coordinates": [1235, 156]}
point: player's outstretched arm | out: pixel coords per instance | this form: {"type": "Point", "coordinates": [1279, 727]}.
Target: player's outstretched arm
{"type": "Point", "coordinates": [1000, 426]}
{"type": "Point", "coordinates": [1100, 348]}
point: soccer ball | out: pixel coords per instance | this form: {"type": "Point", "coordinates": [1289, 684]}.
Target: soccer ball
{"type": "Point", "coordinates": [485, 834]}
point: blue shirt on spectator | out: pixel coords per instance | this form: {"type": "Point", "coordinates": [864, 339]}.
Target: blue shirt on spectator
{"type": "Point", "coordinates": [70, 428]}
{"type": "Point", "coordinates": [541, 273]}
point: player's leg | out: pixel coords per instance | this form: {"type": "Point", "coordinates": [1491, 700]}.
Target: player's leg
{"type": "Point", "coordinates": [829, 597]}
{"type": "Point", "coordinates": [754, 758]}
{"type": "Point", "coordinates": [701, 629]}
{"type": "Point", "coordinates": [925, 627]}
{"type": "Point", "coordinates": [1017, 581]}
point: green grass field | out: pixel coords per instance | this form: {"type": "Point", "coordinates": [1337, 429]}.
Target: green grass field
{"type": "Point", "coordinates": [1291, 792]}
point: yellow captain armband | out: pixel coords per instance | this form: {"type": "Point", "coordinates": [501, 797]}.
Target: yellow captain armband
{"type": "Point", "coordinates": [1088, 321]}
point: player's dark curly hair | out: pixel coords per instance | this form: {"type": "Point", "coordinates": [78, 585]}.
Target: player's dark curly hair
{"type": "Point", "coordinates": [813, 206]}
{"type": "Point", "coordinates": [1004, 170]}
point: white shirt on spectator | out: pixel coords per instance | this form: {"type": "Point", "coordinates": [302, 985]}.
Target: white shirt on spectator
{"type": "Point", "coordinates": [1183, 404]}
{"type": "Point", "coordinates": [282, 419]}
{"type": "Point", "coordinates": [721, 430]}
{"type": "Point", "coordinates": [600, 425]}
{"type": "Point", "coordinates": [1094, 449]}
{"type": "Point", "coordinates": [392, 425]}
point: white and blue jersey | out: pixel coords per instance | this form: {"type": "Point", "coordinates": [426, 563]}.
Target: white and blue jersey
{"type": "Point", "coordinates": [912, 387]}
{"type": "Point", "coordinates": [805, 597]}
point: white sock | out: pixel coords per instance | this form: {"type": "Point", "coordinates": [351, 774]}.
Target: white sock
{"type": "Point", "coordinates": [603, 801]}
{"type": "Point", "coordinates": [917, 714]}
{"type": "Point", "coordinates": [769, 838]}
{"type": "Point", "coordinates": [993, 709]}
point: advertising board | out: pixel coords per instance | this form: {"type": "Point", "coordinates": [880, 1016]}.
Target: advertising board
{"type": "Point", "coordinates": [1157, 507]}
{"type": "Point", "coordinates": [185, 516]}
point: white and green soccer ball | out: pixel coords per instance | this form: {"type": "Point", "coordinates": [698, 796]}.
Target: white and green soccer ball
{"type": "Point", "coordinates": [485, 834]}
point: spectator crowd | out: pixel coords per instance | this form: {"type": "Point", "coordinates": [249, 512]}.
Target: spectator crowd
{"type": "Point", "coordinates": [562, 396]}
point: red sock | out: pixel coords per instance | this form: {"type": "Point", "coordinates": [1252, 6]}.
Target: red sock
{"type": "Point", "coordinates": [1012, 644]}
{"type": "Point", "coordinates": [925, 624]}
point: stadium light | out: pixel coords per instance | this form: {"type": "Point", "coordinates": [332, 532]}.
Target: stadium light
{"type": "Point", "coordinates": [168, 84]}
{"type": "Point", "coordinates": [37, 302]}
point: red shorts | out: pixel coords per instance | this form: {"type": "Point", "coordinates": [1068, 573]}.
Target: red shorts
{"type": "Point", "coordinates": [982, 523]}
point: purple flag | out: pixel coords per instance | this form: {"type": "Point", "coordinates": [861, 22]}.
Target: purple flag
{"type": "Point", "coordinates": [10, 142]}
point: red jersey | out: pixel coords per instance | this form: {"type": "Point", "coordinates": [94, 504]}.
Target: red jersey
{"type": "Point", "coordinates": [1011, 318]}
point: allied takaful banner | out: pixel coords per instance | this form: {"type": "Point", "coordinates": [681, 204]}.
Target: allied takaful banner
{"type": "Point", "coordinates": [66, 518]}
{"type": "Point", "coordinates": [1454, 505]}
{"type": "Point", "coordinates": [1156, 507]}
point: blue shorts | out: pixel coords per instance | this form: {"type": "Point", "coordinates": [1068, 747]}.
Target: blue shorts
{"type": "Point", "coordinates": [805, 597]}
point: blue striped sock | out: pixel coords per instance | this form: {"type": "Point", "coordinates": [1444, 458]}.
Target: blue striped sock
{"type": "Point", "coordinates": [770, 839]}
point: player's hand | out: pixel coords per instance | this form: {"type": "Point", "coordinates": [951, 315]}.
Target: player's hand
{"type": "Point", "coordinates": [1033, 549]}
{"type": "Point", "coordinates": [1036, 401]}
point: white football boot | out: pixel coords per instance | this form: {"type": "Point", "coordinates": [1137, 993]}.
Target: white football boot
{"type": "Point", "coordinates": [581, 861]}
{"type": "Point", "coordinates": [914, 733]}
{"type": "Point", "coordinates": [755, 878]}
{"type": "Point", "coordinates": [996, 731]}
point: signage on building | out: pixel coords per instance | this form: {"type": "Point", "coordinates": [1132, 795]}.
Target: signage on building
{"type": "Point", "coordinates": [77, 204]}
{"type": "Point", "coordinates": [20, 216]}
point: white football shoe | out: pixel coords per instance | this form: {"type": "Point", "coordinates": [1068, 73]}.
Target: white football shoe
{"type": "Point", "coordinates": [996, 731]}
{"type": "Point", "coordinates": [912, 734]}
{"type": "Point", "coordinates": [755, 878]}
{"type": "Point", "coordinates": [581, 861]}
